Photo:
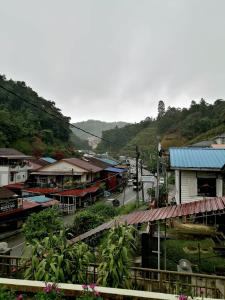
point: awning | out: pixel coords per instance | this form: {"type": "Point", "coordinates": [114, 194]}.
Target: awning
{"type": "Point", "coordinates": [42, 191]}
{"type": "Point", "coordinates": [78, 192]}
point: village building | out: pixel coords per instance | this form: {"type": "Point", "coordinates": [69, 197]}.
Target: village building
{"type": "Point", "coordinates": [13, 210]}
{"type": "Point", "coordinates": [199, 173]}
{"type": "Point", "coordinates": [13, 166]}
{"type": "Point", "coordinates": [65, 173]}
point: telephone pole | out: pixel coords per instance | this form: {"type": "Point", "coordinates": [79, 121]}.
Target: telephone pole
{"type": "Point", "coordinates": [137, 175]}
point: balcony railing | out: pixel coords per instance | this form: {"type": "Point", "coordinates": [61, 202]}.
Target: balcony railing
{"type": "Point", "coordinates": [151, 280]}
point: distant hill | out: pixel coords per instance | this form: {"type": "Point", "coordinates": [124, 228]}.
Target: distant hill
{"type": "Point", "coordinates": [27, 127]}
{"type": "Point", "coordinates": [174, 127]}
{"type": "Point", "coordinates": [96, 127]}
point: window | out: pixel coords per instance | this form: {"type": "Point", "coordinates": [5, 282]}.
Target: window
{"type": "Point", "coordinates": [206, 187]}
{"type": "Point", "coordinates": [12, 175]}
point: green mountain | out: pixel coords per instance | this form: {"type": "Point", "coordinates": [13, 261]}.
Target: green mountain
{"type": "Point", "coordinates": [25, 126]}
{"type": "Point", "coordinates": [95, 126]}
{"type": "Point", "coordinates": [174, 127]}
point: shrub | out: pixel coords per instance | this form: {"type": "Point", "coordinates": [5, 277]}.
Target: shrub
{"type": "Point", "coordinates": [84, 221]}
{"type": "Point", "coordinates": [39, 225]}
{"type": "Point", "coordinates": [104, 210]}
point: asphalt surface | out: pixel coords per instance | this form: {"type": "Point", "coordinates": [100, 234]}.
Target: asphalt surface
{"type": "Point", "coordinates": [17, 242]}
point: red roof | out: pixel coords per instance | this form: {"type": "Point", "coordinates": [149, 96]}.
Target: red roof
{"type": "Point", "coordinates": [83, 164]}
{"type": "Point", "coordinates": [29, 204]}
{"type": "Point", "coordinates": [38, 190]}
{"type": "Point", "coordinates": [79, 192]}
{"type": "Point", "coordinates": [159, 214]}
{"type": "Point", "coordinates": [50, 203]}
{"type": "Point", "coordinates": [18, 185]}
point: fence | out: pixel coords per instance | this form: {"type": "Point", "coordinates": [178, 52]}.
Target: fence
{"type": "Point", "coordinates": [152, 280]}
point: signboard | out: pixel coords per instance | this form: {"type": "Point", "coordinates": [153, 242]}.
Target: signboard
{"type": "Point", "coordinates": [147, 178]}
{"type": "Point", "coordinates": [7, 205]}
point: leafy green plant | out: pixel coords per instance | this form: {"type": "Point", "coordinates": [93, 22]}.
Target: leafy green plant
{"type": "Point", "coordinates": [6, 294]}
{"type": "Point", "coordinates": [40, 225]}
{"type": "Point", "coordinates": [115, 256]}
{"type": "Point", "coordinates": [55, 259]}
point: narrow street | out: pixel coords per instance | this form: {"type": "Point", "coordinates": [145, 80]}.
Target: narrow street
{"type": "Point", "coordinates": [17, 243]}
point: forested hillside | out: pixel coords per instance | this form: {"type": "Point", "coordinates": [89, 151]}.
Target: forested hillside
{"type": "Point", "coordinates": [173, 126]}
{"type": "Point", "coordinates": [30, 129]}
{"type": "Point", "coordinates": [95, 126]}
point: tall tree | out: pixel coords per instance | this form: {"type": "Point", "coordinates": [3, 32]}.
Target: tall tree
{"type": "Point", "coordinates": [161, 109]}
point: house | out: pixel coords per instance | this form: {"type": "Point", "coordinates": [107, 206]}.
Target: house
{"type": "Point", "coordinates": [65, 173]}
{"type": "Point", "coordinates": [114, 176]}
{"type": "Point", "coordinates": [13, 210]}
{"type": "Point", "coordinates": [199, 173]}
{"type": "Point", "coordinates": [13, 166]}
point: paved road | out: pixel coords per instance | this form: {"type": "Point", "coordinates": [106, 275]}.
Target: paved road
{"type": "Point", "coordinates": [17, 243]}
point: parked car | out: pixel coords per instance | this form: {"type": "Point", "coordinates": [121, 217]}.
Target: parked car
{"type": "Point", "coordinates": [135, 186]}
{"type": "Point", "coordinates": [114, 201]}
{"type": "Point", "coordinates": [130, 182]}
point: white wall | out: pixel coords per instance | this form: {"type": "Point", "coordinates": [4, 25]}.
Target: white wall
{"type": "Point", "coordinates": [189, 191]}
{"type": "Point", "coordinates": [62, 166]}
{"type": "Point", "coordinates": [20, 174]}
{"type": "Point", "coordinates": [4, 175]}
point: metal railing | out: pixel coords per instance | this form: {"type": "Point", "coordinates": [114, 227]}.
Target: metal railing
{"type": "Point", "coordinates": [152, 280]}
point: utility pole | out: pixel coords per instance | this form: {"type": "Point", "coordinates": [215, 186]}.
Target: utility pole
{"type": "Point", "coordinates": [137, 175]}
{"type": "Point", "coordinates": [157, 177]}
{"type": "Point", "coordinates": [142, 183]}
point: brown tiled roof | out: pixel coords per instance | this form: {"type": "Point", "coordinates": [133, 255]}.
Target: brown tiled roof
{"type": "Point", "coordinates": [5, 193]}
{"type": "Point", "coordinates": [11, 153]}
{"type": "Point", "coordinates": [83, 164]}
{"type": "Point", "coordinates": [97, 162]}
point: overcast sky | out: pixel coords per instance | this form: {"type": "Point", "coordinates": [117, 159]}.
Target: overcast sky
{"type": "Point", "coordinates": [115, 59]}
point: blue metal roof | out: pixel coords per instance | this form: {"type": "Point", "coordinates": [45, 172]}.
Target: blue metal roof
{"type": "Point", "coordinates": [197, 158]}
{"type": "Point", "coordinates": [115, 170]}
{"type": "Point", "coordinates": [109, 161]}
{"type": "Point", "coordinates": [39, 199]}
{"type": "Point", "coordinates": [49, 159]}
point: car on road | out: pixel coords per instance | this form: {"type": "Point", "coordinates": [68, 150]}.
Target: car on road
{"type": "Point", "coordinates": [130, 182]}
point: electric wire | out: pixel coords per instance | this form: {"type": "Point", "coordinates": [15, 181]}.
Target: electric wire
{"type": "Point", "coordinates": [51, 114]}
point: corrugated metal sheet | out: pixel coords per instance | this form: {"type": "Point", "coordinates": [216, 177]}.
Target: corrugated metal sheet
{"type": "Point", "coordinates": [108, 161]}
{"type": "Point", "coordinates": [42, 191]}
{"type": "Point", "coordinates": [38, 199]}
{"type": "Point", "coordinates": [197, 158]}
{"type": "Point", "coordinates": [115, 170]}
{"type": "Point", "coordinates": [159, 214]}
{"type": "Point", "coordinates": [79, 192]}
{"type": "Point", "coordinates": [49, 160]}
{"type": "Point", "coordinates": [83, 164]}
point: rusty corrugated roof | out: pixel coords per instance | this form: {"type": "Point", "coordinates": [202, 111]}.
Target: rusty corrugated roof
{"type": "Point", "coordinates": [78, 192]}
{"type": "Point", "coordinates": [159, 214]}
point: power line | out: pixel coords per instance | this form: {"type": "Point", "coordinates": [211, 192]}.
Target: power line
{"type": "Point", "coordinates": [51, 114]}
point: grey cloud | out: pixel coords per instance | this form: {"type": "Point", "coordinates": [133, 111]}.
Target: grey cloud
{"type": "Point", "coordinates": [113, 60]}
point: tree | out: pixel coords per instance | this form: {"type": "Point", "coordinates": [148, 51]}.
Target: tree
{"type": "Point", "coordinates": [115, 255]}
{"type": "Point", "coordinates": [84, 221]}
{"type": "Point", "coordinates": [161, 109]}
{"type": "Point", "coordinates": [42, 224]}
